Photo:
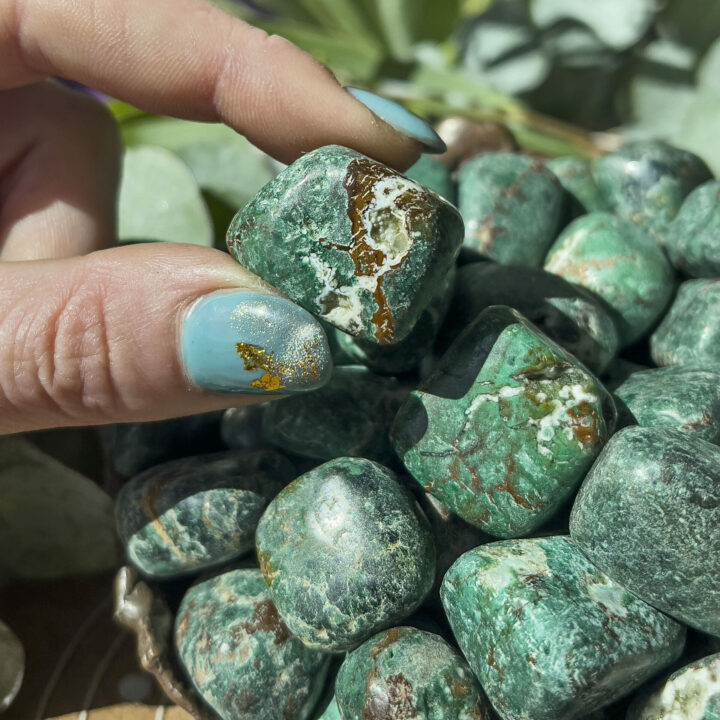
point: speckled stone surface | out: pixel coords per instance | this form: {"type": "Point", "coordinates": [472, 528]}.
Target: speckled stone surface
{"type": "Point", "coordinates": [646, 182]}
{"type": "Point", "coordinates": [683, 397]}
{"type": "Point", "coordinates": [239, 655]}
{"type": "Point", "coordinates": [549, 636]}
{"type": "Point", "coordinates": [350, 240]}
{"type": "Point", "coordinates": [350, 416]}
{"type": "Point", "coordinates": [648, 515]}
{"type": "Point", "coordinates": [690, 332]}
{"type": "Point", "coordinates": [511, 205]}
{"type": "Point", "coordinates": [408, 353]}
{"type": "Point", "coordinates": [693, 240]}
{"type": "Point", "coordinates": [346, 552]}
{"type": "Point", "coordinates": [407, 673]}
{"type": "Point", "coordinates": [691, 693]}
{"type": "Point", "coordinates": [566, 313]}
{"type": "Point", "coordinates": [434, 175]}
{"type": "Point", "coordinates": [575, 175]}
{"type": "Point", "coordinates": [505, 428]}
{"type": "Point", "coordinates": [621, 264]}
{"type": "Point", "coordinates": [193, 513]}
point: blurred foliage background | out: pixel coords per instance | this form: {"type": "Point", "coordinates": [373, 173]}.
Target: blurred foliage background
{"type": "Point", "coordinates": [565, 77]}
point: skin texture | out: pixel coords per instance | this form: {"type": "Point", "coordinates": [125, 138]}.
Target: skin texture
{"type": "Point", "coordinates": [647, 515]}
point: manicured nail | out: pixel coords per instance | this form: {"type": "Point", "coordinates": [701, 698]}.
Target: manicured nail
{"type": "Point", "coordinates": [242, 341]}
{"type": "Point", "coordinates": [400, 119]}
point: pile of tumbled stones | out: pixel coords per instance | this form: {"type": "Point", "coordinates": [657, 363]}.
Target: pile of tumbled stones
{"type": "Point", "coordinates": [506, 500]}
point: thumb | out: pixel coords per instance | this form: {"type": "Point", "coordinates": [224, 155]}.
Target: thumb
{"type": "Point", "coordinates": [146, 332]}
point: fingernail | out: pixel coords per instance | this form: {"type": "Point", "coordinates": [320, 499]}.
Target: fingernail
{"type": "Point", "coordinates": [242, 341]}
{"type": "Point", "coordinates": [400, 119]}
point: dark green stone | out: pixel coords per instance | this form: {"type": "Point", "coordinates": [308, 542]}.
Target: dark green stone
{"type": "Point", "coordinates": [693, 240]}
{"type": "Point", "coordinates": [566, 313]}
{"type": "Point", "coordinates": [408, 673]}
{"type": "Point", "coordinates": [648, 515]}
{"type": "Point", "coordinates": [646, 182]}
{"type": "Point", "coordinates": [505, 428]}
{"type": "Point", "coordinates": [433, 175]}
{"type": "Point", "coordinates": [240, 656]}
{"type": "Point", "coordinates": [350, 240]}
{"type": "Point", "coordinates": [690, 332]}
{"type": "Point", "coordinates": [350, 416]}
{"type": "Point", "coordinates": [684, 398]}
{"type": "Point", "coordinates": [549, 636]}
{"type": "Point", "coordinates": [346, 552]}
{"type": "Point", "coordinates": [575, 175]}
{"type": "Point", "coordinates": [511, 205]}
{"type": "Point", "coordinates": [193, 513]}
{"type": "Point", "coordinates": [621, 264]}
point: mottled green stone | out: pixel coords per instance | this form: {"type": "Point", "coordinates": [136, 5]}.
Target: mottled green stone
{"type": "Point", "coordinates": [648, 515]}
{"type": "Point", "coordinates": [693, 240]}
{"type": "Point", "coordinates": [691, 693]}
{"type": "Point", "coordinates": [505, 428]}
{"type": "Point", "coordinates": [240, 656]}
{"type": "Point", "coordinates": [690, 332]}
{"type": "Point", "coordinates": [350, 416]}
{"type": "Point", "coordinates": [570, 315]}
{"type": "Point", "coordinates": [511, 205]}
{"type": "Point", "coordinates": [621, 264]}
{"type": "Point", "coordinates": [434, 175]}
{"type": "Point", "coordinates": [346, 552]}
{"type": "Point", "coordinates": [646, 182]}
{"type": "Point", "coordinates": [683, 397]}
{"type": "Point", "coordinates": [193, 513]}
{"type": "Point", "coordinates": [350, 240]}
{"type": "Point", "coordinates": [575, 175]}
{"type": "Point", "coordinates": [549, 636]}
{"type": "Point", "coordinates": [408, 673]}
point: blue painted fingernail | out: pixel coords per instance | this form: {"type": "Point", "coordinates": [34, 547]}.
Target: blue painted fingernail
{"type": "Point", "coordinates": [242, 341]}
{"type": "Point", "coordinates": [401, 119]}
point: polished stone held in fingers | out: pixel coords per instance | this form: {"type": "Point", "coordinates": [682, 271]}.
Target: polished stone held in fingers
{"type": "Point", "coordinates": [350, 240]}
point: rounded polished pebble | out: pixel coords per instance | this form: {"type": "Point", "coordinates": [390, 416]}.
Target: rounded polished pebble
{"type": "Point", "coordinates": [575, 175]}
{"type": "Point", "coordinates": [350, 416]}
{"type": "Point", "coordinates": [350, 240]}
{"type": "Point", "coordinates": [505, 428]}
{"type": "Point", "coordinates": [346, 551]}
{"type": "Point", "coordinates": [646, 182]}
{"type": "Point", "coordinates": [570, 315]}
{"type": "Point", "coordinates": [407, 673]}
{"type": "Point", "coordinates": [648, 515]}
{"type": "Point", "coordinates": [193, 513]}
{"type": "Point", "coordinates": [690, 332]}
{"type": "Point", "coordinates": [683, 397]}
{"type": "Point", "coordinates": [693, 240]}
{"type": "Point", "coordinates": [430, 173]}
{"type": "Point", "coordinates": [511, 205]}
{"type": "Point", "coordinates": [239, 655]}
{"type": "Point", "coordinates": [549, 636]}
{"type": "Point", "coordinates": [691, 693]}
{"type": "Point", "coordinates": [621, 264]}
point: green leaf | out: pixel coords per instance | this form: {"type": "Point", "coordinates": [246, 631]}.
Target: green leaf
{"type": "Point", "coordinates": [708, 74]}
{"type": "Point", "coordinates": [694, 23]}
{"type": "Point", "coordinates": [344, 15]}
{"type": "Point", "coordinates": [123, 112]}
{"type": "Point", "coordinates": [160, 200]}
{"type": "Point", "coordinates": [699, 130]}
{"type": "Point", "coordinates": [173, 134]}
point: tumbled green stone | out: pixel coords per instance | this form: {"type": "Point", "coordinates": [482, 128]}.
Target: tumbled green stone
{"type": "Point", "coordinates": [693, 240]}
{"type": "Point", "coordinates": [690, 332]}
{"type": "Point", "coordinates": [648, 515]}
{"type": "Point", "coordinates": [240, 656]}
{"type": "Point", "coordinates": [511, 205]}
{"type": "Point", "coordinates": [684, 398]}
{"type": "Point", "coordinates": [350, 416]}
{"type": "Point", "coordinates": [350, 240]}
{"type": "Point", "coordinates": [193, 513]}
{"type": "Point", "coordinates": [434, 175]}
{"type": "Point", "coordinates": [549, 636]}
{"type": "Point", "coordinates": [346, 552]}
{"type": "Point", "coordinates": [505, 428]}
{"type": "Point", "coordinates": [408, 673]}
{"type": "Point", "coordinates": [575, 175]}
{"type": "Point", "coordinates": [570, 315]}
{"type": "Point", "coordinates": [691, 693]}
{"type": "Point", "coordinates": [646, 182]}
{"type": "Point", "coordinates": [621, 264]}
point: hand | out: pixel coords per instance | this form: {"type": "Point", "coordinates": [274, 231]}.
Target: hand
{"type": "Point", "coordinates": [91, 335]}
